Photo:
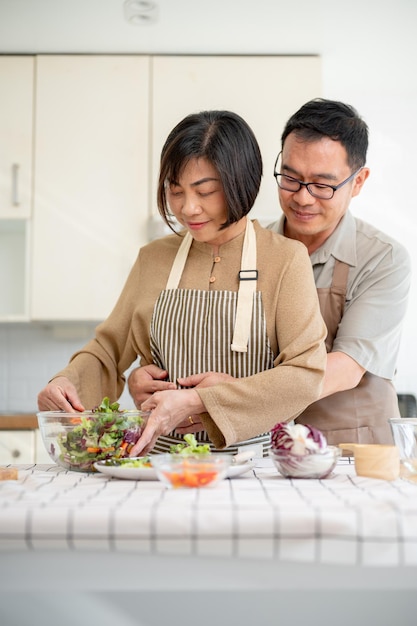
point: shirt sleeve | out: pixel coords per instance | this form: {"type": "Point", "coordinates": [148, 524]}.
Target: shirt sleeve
{"type": "Point", "coordinates": [370, 329]}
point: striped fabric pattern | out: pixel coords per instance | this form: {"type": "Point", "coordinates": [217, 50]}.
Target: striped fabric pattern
{"type": "Point", "coordinates": [191, 333]}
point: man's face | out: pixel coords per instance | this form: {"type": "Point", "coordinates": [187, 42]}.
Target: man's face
{"type": "Point", "coordinates": [310, 219]}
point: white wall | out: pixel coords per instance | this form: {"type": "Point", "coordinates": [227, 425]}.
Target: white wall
{"type": "Point", "coordinates": [369, 53]}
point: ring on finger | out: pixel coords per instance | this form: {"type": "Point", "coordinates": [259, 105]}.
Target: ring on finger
{"type": "Point", "coordinates": [190, 419]}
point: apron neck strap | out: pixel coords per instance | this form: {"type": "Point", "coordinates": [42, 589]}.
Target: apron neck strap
{"type": "Point", "coordinates": [248, 276]}
{"type": "Point", "coordinates": [179, 262]}
{"type": "Point", "coordinates": [247, 284]}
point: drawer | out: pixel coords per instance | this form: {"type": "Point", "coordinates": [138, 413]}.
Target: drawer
{"type": "Point", "coordinates": [17, 446]}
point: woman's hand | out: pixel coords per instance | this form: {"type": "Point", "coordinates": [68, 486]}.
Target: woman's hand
{"type": "Point", "coordinates": [145, 381]}
{"type": "Point", "coordinates": [60, 395]}
{"type": "Point", "coordinates": [169, 410]}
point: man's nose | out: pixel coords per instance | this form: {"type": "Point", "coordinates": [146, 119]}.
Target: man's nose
{"type": "Point", "coordinates": [303, 196]}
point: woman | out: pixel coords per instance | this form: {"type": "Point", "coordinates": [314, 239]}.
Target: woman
{"type": "Point", "coordinates": [225, 302]}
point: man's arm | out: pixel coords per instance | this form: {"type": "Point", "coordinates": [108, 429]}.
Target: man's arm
{"type": "Point", "coordinates": [342, 372]}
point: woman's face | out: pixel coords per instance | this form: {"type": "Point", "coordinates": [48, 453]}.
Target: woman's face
{"type": "Point", "coordinates": [198, 202]}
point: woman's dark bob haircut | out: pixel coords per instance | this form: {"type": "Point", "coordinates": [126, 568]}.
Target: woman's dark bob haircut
{"type": "Point", "coordinates": [228, 142]}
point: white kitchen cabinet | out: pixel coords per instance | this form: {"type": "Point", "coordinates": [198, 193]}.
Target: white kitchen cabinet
{"type": "Point", "coordinates": [17, 446]}
{"type": "Point", "coordinates": [95, 127]}
{"type": "Point", "coordinates": [16, 134]}
{"type": "Point", "coordinates": [264, 90]}
{"type": "Point", "coordinates": [91, 182]}
{"type": "Point", "coordinates": [22, 446]}
{"type": "Point", "coordinates": [16, 140]}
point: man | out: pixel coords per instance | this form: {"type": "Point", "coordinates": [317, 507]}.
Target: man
{"type": "Point", "coordinates": [362, 275]}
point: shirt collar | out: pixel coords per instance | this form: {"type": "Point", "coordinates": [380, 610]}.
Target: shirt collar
{"type": "Point", "coordinates": [341, 244]}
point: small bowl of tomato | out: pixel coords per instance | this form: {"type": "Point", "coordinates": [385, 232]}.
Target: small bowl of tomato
{"type": "Point", "coordinates": [176, 471]}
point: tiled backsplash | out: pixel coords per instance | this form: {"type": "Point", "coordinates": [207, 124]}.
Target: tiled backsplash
{"type": "Point", "coordinates": [30, 354]}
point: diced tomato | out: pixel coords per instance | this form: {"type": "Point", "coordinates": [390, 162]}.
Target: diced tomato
{"type": "Point", "coordinates": [94, 450]}
{"type": "Point", "coordinates": [191, 479]}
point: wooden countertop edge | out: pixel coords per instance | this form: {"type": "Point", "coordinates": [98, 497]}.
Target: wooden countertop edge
{"type": "Point", "coordinates": [18, 422]}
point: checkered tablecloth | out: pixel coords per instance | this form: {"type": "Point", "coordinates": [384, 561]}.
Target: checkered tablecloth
{"type": "Point", "coordinates": [343, 520]}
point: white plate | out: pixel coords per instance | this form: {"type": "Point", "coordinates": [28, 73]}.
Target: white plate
{"type": "Point", "coordinates": [130, 473]}
{"type": "Point", "coordinates": [148, 473]}
{"type": "Point", "coordinates": [238, 470]}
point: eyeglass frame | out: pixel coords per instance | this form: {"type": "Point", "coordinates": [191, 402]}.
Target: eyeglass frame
{"type": "Point", "coordinates": [334, 188]}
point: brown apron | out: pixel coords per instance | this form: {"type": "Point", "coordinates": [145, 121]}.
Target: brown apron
{"type": "Point", "coordinates": [358, 415]}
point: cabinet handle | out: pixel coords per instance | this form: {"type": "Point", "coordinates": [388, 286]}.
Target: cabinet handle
{"type": "Point", "coordinates": [15, 184]}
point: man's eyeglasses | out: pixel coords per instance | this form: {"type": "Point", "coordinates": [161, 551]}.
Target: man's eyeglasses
{"type": "Point", "coordinates": [317, 190]}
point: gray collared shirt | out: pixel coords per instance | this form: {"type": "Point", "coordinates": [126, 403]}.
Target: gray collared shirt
{"type": "Point", "coordinates": [377, 291]}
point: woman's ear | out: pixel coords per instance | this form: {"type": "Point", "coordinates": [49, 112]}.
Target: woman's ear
{"type": "Point", "coordinates": [359, 180]}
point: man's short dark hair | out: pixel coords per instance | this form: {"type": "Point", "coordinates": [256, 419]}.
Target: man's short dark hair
{"type": "Point", "coordinates": [320, 118]}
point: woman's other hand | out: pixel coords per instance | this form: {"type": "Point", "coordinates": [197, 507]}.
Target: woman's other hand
{"type": "Point", "coordinates": [60, 395]}
{"type": "Point", "coordinates": [169, 410]}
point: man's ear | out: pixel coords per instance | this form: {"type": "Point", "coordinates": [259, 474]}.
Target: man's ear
{"type": "Point", "coordinates": [359, 180]}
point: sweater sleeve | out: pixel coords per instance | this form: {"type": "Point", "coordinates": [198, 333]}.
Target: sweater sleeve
{"type": "Point", "coordinates": [97, 369]}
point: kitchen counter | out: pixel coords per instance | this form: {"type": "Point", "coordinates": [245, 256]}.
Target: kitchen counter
{"type": "Point", "coordinates": [257, 533]}
{"type": "Point", "coordinates": [18, 421]}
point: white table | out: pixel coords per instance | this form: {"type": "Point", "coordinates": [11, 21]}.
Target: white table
{"type": "Point", "coordinates": [257, 545]}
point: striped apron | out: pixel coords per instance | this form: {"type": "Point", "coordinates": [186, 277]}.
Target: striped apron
{"type": "Point", "coordinates": [195, 331]}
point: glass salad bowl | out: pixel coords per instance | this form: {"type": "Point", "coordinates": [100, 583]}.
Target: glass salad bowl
{"type": "Point", "coordinates": [75, 441]}
{"type": "Point", "coordinates": [317, 464]}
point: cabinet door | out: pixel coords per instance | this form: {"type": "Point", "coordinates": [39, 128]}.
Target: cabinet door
{"type": "Point", "coordinates": [264, 90]}
{"type": "Point", "coordinates": [16, 118]}
{"type": "Point", "coordinates": [91, 182]}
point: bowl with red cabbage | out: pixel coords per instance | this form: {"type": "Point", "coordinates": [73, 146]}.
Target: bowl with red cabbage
{"type": "Point", "coordinates": [301, 451]}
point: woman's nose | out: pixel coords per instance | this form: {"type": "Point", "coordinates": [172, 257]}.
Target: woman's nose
{"type": "Point", "coordinates": [191, 206]}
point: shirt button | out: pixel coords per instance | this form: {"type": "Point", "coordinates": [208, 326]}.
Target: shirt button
{"type": "Point", "coordinates": [212, 279]}
{"type": "Point", "coordinates": [216, 259]}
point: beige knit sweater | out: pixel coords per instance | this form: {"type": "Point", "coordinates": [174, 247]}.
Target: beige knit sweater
{"type": "Point", "coordinates": [236, 410]}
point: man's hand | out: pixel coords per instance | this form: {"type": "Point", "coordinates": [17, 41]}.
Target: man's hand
{"type": "Point", "coordinates": [145, 381]}
{"type": "Point", "coordinates": [60, 395]}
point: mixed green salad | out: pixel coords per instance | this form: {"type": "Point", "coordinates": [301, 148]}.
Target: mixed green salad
{"type": "Point", "coordinates": [106, 432]}
{"type": "Point", "coordinates": [143, 461]}
{"type": "Point", "coordinates": [190, 447]}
